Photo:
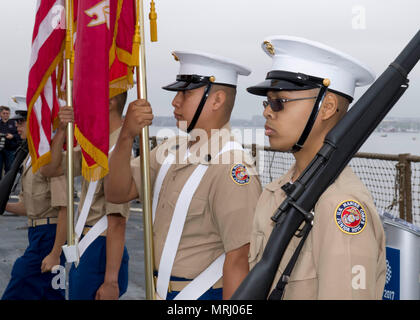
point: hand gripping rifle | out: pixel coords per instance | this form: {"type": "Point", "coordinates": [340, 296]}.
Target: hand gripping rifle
{"type": "Point", "coordinates": [340, 145]}
{"type": "Point", "coordinates": [6, 184]}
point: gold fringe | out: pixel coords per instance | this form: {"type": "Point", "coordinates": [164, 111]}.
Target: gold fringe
{"type": "Point", "coordinates": [98, 170]}
{"type": "Point", "coordinates": [94, 172]}
{"type": "Point", "coordinates": [122, 84]}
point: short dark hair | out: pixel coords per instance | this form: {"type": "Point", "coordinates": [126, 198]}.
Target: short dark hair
{"type": "Point", "coordinates": [4, 108]}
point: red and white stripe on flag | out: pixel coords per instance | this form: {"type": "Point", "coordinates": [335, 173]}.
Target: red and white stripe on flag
{"type": "Point", "coordinates": [41, 97]}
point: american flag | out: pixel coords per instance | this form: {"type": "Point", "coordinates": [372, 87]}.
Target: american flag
{"type": "Point", "coordinates": [45, 69]}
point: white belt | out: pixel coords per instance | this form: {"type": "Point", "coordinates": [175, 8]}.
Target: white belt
{"type": "Point", "coordinates": [74, 253]}
{"type": "Point", "coordinates": [215, 271]}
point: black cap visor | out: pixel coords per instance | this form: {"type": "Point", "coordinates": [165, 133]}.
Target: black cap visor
{"type": "Point", "coordinates": [262, 88]}
{"type": "Point", "coordinates": [278, 80]}
{"type": "Point", "coordinates": [20, 115]}
{"type": "Point", "coordinates": [188, 82]}
{"type": "Point", "coordinates": [183, 86]}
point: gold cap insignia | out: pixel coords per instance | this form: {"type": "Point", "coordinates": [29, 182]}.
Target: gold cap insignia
{"type": "Point", "coordinates": [269, 47]}
{"type": "Point", "coordinates": [175, 56]}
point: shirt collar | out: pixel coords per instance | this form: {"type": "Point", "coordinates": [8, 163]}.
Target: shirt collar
{"type": "Point", "coordinates": [277, 184]}
{"type": "Point", "coordinates": [206, 150]}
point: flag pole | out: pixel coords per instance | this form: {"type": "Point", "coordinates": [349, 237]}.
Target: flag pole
{"type": "Point", "coordinates": [145, 163]}
{"type": "Point", "coordinates": [70, 129]}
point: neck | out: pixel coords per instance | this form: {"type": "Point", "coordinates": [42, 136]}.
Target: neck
{"type": "Point", "coordinates": [115, 121]}
{"type": "Point", "coordinates": [305, 156]}
{"type": "Point", "coordinates": [208, 131]}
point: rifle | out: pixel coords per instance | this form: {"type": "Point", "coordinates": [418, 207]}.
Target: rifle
{"type": "Point", "coordinates": [6, 184]}
{"type": "Point", "coordinates": [340, 145]}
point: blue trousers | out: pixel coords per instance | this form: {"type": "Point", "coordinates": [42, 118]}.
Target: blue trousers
{"type": "Point", "coordinates": [89, 275]}
{"type": "Point", "coordinates": [211, 294]}
{"type": "Point", "coordinates": [27, 282]}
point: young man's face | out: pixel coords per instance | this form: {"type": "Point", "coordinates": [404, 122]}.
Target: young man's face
{"type": "Point", "coordinates": [21, 128]}
{"type": "Point", "coordinates": [5, 114]}
{"type": "Point", "coordinates": [284, 127]}
{"type": "Point", "coordinates": [185, 104]}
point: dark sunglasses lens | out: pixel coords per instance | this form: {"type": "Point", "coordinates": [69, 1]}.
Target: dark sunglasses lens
{"type": "Point", "coordinates": [276, 105]}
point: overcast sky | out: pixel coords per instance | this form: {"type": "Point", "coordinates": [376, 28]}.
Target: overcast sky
{"type": "Point", "coordinates": [373, 31]}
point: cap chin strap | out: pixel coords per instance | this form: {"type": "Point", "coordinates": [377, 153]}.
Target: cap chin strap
{"type": "Point", "coordinates": [311, 121]}
{"type": "Point", "coordinates": [199, 108]}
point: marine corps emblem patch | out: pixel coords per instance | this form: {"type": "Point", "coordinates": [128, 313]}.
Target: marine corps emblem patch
{"type": "Point", "coordinates": [239, 174]}
{"type": "Point", "coordinates": [350, 217]}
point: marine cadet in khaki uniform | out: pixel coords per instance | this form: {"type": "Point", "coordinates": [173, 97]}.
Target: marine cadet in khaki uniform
{"type": "Point", "coordinates": [204, 187]}
{"type": "Point", "coordinates": [43, 201]}
{"type": "Point", "coordinates": [344, 254]}
{"type": "Point", "coordinates": [102, 272]}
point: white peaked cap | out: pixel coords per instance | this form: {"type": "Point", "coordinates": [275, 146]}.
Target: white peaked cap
{"type": "Point", "coordinates": [315, 59]}
{"type": "Point", "coordinates": [224, 70]}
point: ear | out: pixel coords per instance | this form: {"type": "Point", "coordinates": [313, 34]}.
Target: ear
{"type": "Point", "coordinates": [329, 106]}
{"type": "Point", "coordinates": [218, 99]}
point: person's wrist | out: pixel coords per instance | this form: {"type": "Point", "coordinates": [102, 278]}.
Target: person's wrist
{"type": "Point", "coordinates": [125, 135]}
{"type": "Point", "coordinates": [111, 280]}
{"type": "Point", "coordinates": [56, 252]}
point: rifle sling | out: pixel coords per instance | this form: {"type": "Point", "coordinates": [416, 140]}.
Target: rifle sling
{"type": "Point", "coordinates": [278, 292]}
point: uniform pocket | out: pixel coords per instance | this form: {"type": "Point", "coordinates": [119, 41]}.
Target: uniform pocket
{"type": "Point", "coordinates": [40, 185]}
{"type": "Point", "coordinates": [256, 249]}
{"type": "Point", "coordinates": [304, 269]}
{"type": "Point", "coordinates": [197, 205]}
{"type": "Point", "coordinates": [39, 203]}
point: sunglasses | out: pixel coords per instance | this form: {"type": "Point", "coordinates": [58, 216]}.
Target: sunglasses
{"type": "Point", "coordinates": [278, 104]}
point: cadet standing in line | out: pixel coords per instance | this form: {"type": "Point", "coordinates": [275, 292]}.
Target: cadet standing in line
{"type": "Point", "coordinates": [102, 273]}
{"type": "Point", "coordinates": [43, 201]}
{"type": "Point", "coordinates": [203, 198]}
{"type": "Point", "coordinates": [344, 254]}
{"type": "Point", "coordinates": [11, 140]}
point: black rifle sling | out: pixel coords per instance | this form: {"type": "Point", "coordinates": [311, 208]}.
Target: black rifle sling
{"type": "Point", "coordinates": [278, 292]}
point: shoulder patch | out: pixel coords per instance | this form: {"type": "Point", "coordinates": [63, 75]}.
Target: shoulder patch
{"type": "Point", "coordinates": [239, 174]}
{"type": "Point", "coordinates": [350, 217]}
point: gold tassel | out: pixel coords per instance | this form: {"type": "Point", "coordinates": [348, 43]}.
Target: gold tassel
{"type": "Point", "coordinates": [153, 24]}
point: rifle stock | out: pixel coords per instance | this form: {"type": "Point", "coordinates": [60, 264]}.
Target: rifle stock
{"type": "Point", "coordinates": [340, 145]}
{"type": "Point", "coordinates": [6, 184]}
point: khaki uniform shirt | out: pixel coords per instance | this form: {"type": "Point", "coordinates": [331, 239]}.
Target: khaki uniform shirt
{"type": "Point", "coordinates": [99, 206]}
{"type": "Point", "coordinates": [332, 264]}
{"type": "Point", "coordinates": [42, 197]}
{"type": "Point", "coordinates": [220, 215]}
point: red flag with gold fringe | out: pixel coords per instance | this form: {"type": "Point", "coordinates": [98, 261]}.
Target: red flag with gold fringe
{"type": "Point", "coordinates": [105, 53]}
